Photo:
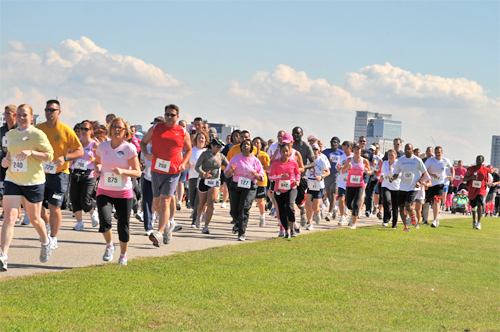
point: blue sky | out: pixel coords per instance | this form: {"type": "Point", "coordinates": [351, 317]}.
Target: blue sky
{"type": "Point", "coordinates": [211, 46]}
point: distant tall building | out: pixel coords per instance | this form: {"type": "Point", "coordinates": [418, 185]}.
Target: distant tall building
{"type": "Point", "coordinates": [495, 151]}
{"type": "Point", "coordinates": [36, 119]}
{"type": "Point", "coordinates": [377, 128]}
{"type": "Point", "coordinates": [222, 129]}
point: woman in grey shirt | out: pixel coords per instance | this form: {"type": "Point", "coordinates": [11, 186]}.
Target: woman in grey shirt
{"type": "Point", "coordinates": [208, 166]}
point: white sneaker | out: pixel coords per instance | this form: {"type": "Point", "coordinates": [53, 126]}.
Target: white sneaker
{"type": "Point", "coordinates": [95, 219]}
{"type": "Point", "coordinates": [385, 224]}
{"type": "Point", "coordinates": [329, 216]}
{"type": "Point", "coordinates": [341, 221]}
{"type": "Point", "coordinates": [108, 254]}
{"type": "Point", "coordinates": [3, 262]}
{"type": "Point", "coordinates": [309, 227]}
{"type": "Point", "coordinates": [223, 205]}
{"type": "Point", "coordinates": [282, 233]}
{"type": "Point", "coordinates": [45, 252]}
{"type": "Point", "coordinates": [262, 222]}
{"type": "Point", "coordinates": [148, 232]}
{"type": "Point", "coordinates": [326, 203]}
{"type": "Point", "coordinates": [53, 243]}
{"type": "Point", "coordinates": [26, 220]}
{"type": "Point", "coordinates": [350, 222]}
{"type": "Point", "coordinates": [79, 226]}
{"type": "Point", "coordinates": [316, 218]}
{"type": "Point", "coordinates": [478, 225]}
{"type": "Point", "coordinates": [353, 226]}
{"type": "Point", "coordinates": [205, 230]}
{"type": "Point", "coordinates": [434, 224]}
{"type": "Point", "coordinates": [197, 223]}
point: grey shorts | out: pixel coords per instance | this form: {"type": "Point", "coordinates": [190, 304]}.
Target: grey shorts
{"type": "Point", "coordinates": [332, 182]}
{"type": "Point", "coordinates": [164, 184]}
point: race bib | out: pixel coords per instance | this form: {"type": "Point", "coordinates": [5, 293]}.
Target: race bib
{"type": "Point", "coordinates": [314, 185]}
{"type": "Point", "coordinates": [356, 179]}
{"type": "Point", "coordinates": [4, 141]}
{"type": "Point", "coordinates": [408, 175]}
{"type": "Point", "coordinates": [211, 183]}
{"type": "Point", "coordinates": [18, 166]}
{"type": "Point", "coordinates": [438, 178]}
{"type": "Point", "coordinates": [49, 167]}
{"type": "Point", "coordinates": [344, 178]}
{"type": "Point", "coordinates": [476, 184]}
{"type": "Point", "coordinates": [112, 180]}
{"type": "Point", "coordinates": [457, 177]}
{"type": "Point", "coordinates": [334, 158]}
{"type": "Point", "coordinates": [244, 182]}
{"type": "Point", "coordinates": [81, 164]}
{"type": "Point", "coordinates": [162, 165]}
{"type": "Point", "coordinates": [387, 176]}
{"type": "Point", "coordinates": [284, 184]}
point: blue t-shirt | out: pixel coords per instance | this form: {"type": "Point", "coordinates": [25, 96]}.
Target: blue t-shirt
{"type": "Point", "coordinates": [333, 157]}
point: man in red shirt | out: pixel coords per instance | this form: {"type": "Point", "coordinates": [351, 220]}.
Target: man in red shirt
{"type": "Point", "coordinates": [477, 181]}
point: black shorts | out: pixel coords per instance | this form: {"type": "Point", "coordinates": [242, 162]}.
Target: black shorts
{"type": "Point", "coordinates": [261, 192]}
{"type": "Point", "coordinates": [33, 194]}
{"type": "Point", "coordinates": [203, 188]}
{"type": "Point", "coordinates": [478, 200]}
{"type": "Point", "coordinates": [316, 194]}
{"type": "Point", "coordinates": [407, 197]}
{"type": "Point", "coordinates": [341, 192]}
{"type": "Point", "coordinates": [301, 192]}
{"type": "Point", "coordinates": [56, 186]}
{"type": "Point", "coordinates": [271, 186]}
{"type": "Point", "coordinates": [436, 192]}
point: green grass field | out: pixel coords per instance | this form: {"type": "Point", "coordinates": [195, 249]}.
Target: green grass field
{"type": "Point", "coordinates": [373, 278]}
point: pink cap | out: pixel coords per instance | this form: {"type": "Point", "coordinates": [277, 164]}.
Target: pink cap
{"type": "Point", "coordinates": [315, 146]}
{"type": "Point", "coordinates": [287, 138]}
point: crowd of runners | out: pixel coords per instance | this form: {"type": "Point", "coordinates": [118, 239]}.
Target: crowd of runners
{"type": "Point", "coordinates": [107, 172]}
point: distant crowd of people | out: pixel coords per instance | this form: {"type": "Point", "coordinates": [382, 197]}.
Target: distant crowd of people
{"type": "Point", "coordinates": [105, 171]}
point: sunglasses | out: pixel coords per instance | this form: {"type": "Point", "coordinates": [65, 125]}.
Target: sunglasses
{"type": "Point", "coordinates": [362, 141]}
{"type": "Point", "coordinates": [170, 115]}
{"type": "Point", "coordinates": [118, 128]}
{"type": "Point", "coordinates": [84, 129]}
{"type": "Point", "coordinates": [51, 110]}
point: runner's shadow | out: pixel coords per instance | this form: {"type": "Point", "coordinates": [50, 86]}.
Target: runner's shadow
{"type": "Point", "coordinates": [32, 266]}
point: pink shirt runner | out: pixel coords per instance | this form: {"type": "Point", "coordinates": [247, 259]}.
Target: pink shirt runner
{"type": "Point", "coordinates": [245, 166]}
{"type": "Point", "coordinates": [355, 175]}
{"type": "Point", "coordinates": [278, 168]}
{"type": "Point", "coordinates": [458, 172]}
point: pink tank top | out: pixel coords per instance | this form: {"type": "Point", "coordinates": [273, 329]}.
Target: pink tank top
{"type": "Point", "coordinates": [355, 175]}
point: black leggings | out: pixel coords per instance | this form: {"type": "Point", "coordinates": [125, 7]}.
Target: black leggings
{"type": "Point", "coordinates": [285, 206]}
{"type": "Point", "coordinates": [390, 199]}
{"type": "Point", "coordinates": [80, 191]}
{"type": "Point", "coordinates": [123, 207]}
{"type": "Point", "coordinates": [353, 198]}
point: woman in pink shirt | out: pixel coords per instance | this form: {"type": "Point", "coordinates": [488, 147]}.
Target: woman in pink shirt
{"type": "Point", "coordinates": [116, 162]}
{"type": "Point", "coordinates": [285, 172]}
{"type": "Point", "coordinates": [246, 170]}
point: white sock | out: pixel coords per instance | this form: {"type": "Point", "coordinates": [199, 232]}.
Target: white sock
{"type": "Point", "coordinates": [263, 215]}
{"type": "Point", "coordinates": [45, 244]}
{"type": "Point", "coordinates": [110, 244]}
{"type": "Point", "coordinates": [336, 208]}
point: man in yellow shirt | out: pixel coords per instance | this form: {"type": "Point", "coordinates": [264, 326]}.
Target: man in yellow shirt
{"type": "Point", "coordinates": [63, 140]}
{"type": "Point", "coordinates": [236, 149]}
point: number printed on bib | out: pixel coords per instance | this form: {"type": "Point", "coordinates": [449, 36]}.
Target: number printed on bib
{"type": "Point", "coordinates": [284, 185]}
{"type": "Point", "coordinates": [4, 141]}
{"type": "Point", "coordinates": [356, 179]}
{"type": "Point", "coordinates": [18, 166]}
{"type": "Point", "coordinates": [408, 175]}
{"type": "Point", "coordinates": [162, 165]}
{"type": "Point", "coordinates": [244, 182]}
{"type": "Point", "coordinates": [476, 184]}
{"type": "Point", "coordinates": [314, 185]}
{"type": "Point", "coordinates": [49, 167]}
{"type": "Point", "coordinates": [457, 177]}
{"type": "Point", "coordinates": [211, 183]}
{"type": "Point", "coordinates": [334, 158]}
{"type": "Point", "coordinates": [344, 178]}
{"type": "Point", "coordinates": [112, 180]}
{"type": "Point", "coordinates": [81, 164]}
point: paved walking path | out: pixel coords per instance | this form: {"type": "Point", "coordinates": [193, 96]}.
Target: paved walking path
{"type": "Point", "coordinates": [86, 248]}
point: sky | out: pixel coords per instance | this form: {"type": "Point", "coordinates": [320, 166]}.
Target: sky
{"type": "Point", "coordinates": [264, 66]}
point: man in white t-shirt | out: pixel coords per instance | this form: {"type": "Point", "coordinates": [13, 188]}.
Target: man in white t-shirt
{"type": "Point", "coordinates": [412, 170]}
{"type": "Point", "coordinates": [436, 166]}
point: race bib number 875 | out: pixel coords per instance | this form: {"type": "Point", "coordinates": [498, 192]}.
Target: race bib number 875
{"type": "Point", "coordinates": [112, 180]}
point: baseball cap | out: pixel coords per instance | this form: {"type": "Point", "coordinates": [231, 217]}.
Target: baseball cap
{"type": "Point", "coordinates": [335, 138]}
{"type": "Point", "coordinates": [287, 138]}
{"type": "Point", "coordinates": [212, 131]}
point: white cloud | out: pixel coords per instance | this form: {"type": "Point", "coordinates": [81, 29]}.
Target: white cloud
{"type": "Point", "coordinates": [88, 76]}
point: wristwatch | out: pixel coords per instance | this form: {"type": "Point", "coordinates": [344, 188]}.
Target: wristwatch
{"type": "Point", "coordinates": [66, 158]}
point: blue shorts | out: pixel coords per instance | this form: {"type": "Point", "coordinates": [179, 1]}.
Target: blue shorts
{"type": "Point", "coordinates": [377, 188]}
{"type": "Point", "coordinates": [341, 192]}
{"type": "Point", "coordinates": [164, 184]}
{"type": "Point", "coordinates": [33, 194]}
{"type": "Point", "coordinates": [316, 194]}
{"type": "Point", "coordinates": [183, 176]}
{"type": "Point", "coordinates": [56, 186]}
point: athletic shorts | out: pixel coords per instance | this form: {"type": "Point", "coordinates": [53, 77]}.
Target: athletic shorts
{"type": "Point", "coordinates": [377, 188]}
{"type": "Point", "coordinates": [203, 188]}
{"type": "Point", "coordinates": [316, 194]}
{"type": "Point", "coordinates": [261, 192]}
{"type": "Point", "coordinates": [331, 182]}
{"type": "Point", "coordinates": [407, 197]}
{"type": "Point", "coordinates": [164, 184]}
{"type": "Point", "coordinates": [271, 186]}
{"type": "Point", "coordinates": [420, 201]}
{"type": "Point", "coordinates": [183, 176]}
{"type": "Point", "coordinates": [436, 192]}
{"type": "Point", "coordinates": [445, 188]}
{"type": "Point", "coordinates": [478, 200]}
{"type": "Point", "coordinates": [33, 194]}
{"type": "Point", "coordinates": [341, 192]}
{"type": "Point", "coordinates": [301, 192]}
{"type": "Point", "coordinates": [56, 186]}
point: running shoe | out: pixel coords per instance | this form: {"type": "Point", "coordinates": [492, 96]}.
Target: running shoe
{"type": "Point", "coordinates": [341, 221]}
{"type": "Point", "coordinates": [478, 225]}
{"type": "Point", "coordinates": [353, 227]}
{"type": "Point", "coordinates": [241, 238]}
{"type": "Point", "coordinates": [379, 216]}
{"type": "Point", "coordinates": [374, 210]}
{"type": "Point", "coordinates": [282, 233]}
{"type": "Point", "coordinates": [385, 224]}
{"type": "Point", "coordinates": [407, 229]}
{"type": "Point", "coordinates": [3, 262]}
{"type": "Point", "coordinates": [95, 219]}
{"type": "Point", "coordinates": [316, 218]}
{"type": "Point", "coordinates": [426, 223]}
{"type": "Point", "coordinates": [108, 253]}
{"type": "Point", "coordinates": [26, 220]}
{"type": "Point", "coordinates": [434, 224]}
{"type": "Point", "coordinates": [197, 223]}
{"type": "Point", "coordinates": [262, 221]}
{"type": "Point", "coordinates": [395, 226]}
{"type": "Point", "coordinates": [334, 215]}
{"type": "Point", "coordinates": [178, 206]}
{"type": "Point", "coordinates": [193, 224]}
{"type": "Point", "coordinates": [167, 232]}
{"type": "Point", "coordinates": [328, 216]}
{"type": "Point", "coordinates": [139, 216]}
{"type": "Point", "coordinates": [53, 242]}
{"type": "Point", "coordinates": [287, 236]}
{"type": "Point", "coordinates": [177, 228]}
{"type": "Point", "coordinates": [437, 220]}
{"type": "Point", "coordinates": [326, 203]}
{"type": "Point", "coordinates": [156, 238]}
{"type": "Point", "coordinates": [122, 260]}
{"type": "Point", "coordinates": [417, 226]}
{"type": "Point", "coordinates": [297, 229]}
{"type": "Point", "coordinates": [368, 213]}
{"type": "Point", "coordinates": [148, 232]}
{"type": "Point", "coordinates": [293, 233]}
{"type": "Point", "coordinates": [309, 227]}
{"type": "Point", "coordinates": [235, 229]}
{"type": "Point", "coordinates": [350, 222]}
{"type": "Point", "coordinates": [223, 205]}
{"type": "Point", "coordinates": [273, 212]}
{"type": "Point", "coordinates": [205, 230]}
{"type": "Point", "coordinates": [303, 219]}
{"type": "Point", "coordinates": [79, 226]}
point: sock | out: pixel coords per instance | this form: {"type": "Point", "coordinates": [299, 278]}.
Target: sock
{"type": "Point", "coordinates": [45, 244]}
{"type": "Point", "coordinates": [109, 244]}
{"type": "Point", "coordinates": [376, 206]}
{"type": "Point", "coordinates": [123, 256]}
{"type": "Point", "coordinates": [263, 215]}
{"type": "Point", "coordinates": [336, 208]}
{"type": "Point", "coordinates": [170, 219]}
